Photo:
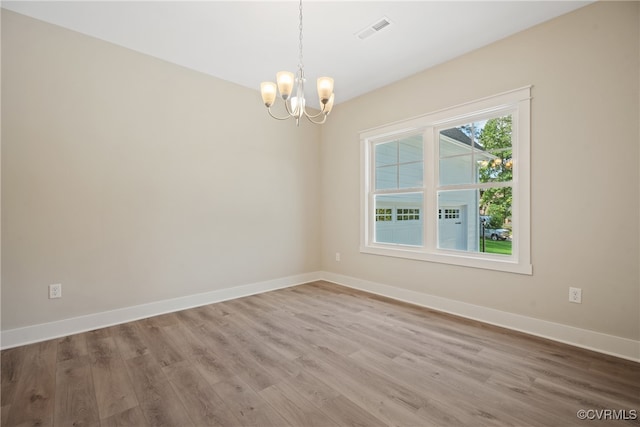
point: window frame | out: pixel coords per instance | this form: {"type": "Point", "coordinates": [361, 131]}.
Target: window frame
{"type": "Point", "coordinates": [517, 103]}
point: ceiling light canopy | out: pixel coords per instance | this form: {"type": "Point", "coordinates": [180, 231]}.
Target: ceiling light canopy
{"type": "Point", "coordinates": [296, 105]}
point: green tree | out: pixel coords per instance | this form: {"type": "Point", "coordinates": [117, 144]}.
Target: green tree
{"type": "Point", "coordinates": [495, 138]}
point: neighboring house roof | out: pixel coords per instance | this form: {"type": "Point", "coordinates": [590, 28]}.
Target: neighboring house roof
{"type": "Point", "coordinates": [458, 135]}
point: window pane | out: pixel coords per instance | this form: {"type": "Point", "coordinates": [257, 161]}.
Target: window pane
{"type": "Point", "coordinates": [457, 220]}
{"type": "Point", "coordinates": [399, 164]}
{"type": "Point", "coordinates": [411, 149]}
{"type": "Point", "coordinates": [455, 141]}
{"type": "Point", "coordinates": [496, 133]}
{"type": "Point", "coordinates": [476, 152]}
{"type": "Point", "coordinates": [497, 166]}
{"type": "Point", "coordinates": [387, 177]}
{"type": "Point", "coordinates": [387, 153]}
{"type": "Point", "coordinates": [475, 220]}
{"type": "Point", "coordinates": [495, 210]}
{"type": "Point", "coordinates": [456, 170]}
{"type": "Point", "coordinates": [402, 228]}
{"type": "Point", "coordinates": [410, 175]}
{"type": "Point", "coordinates": [496, 141]}
{"type": "Point", "coordinates": [457, 155]}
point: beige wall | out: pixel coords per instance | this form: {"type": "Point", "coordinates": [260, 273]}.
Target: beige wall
{"type": "Point", "coordinates": [131, 180]}
{"type": "Point", "coordinates": [125, 181]}
{"type": "Point", "coordinates": [584, 69]}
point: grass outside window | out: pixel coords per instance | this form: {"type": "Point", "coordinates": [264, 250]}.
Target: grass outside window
{"type": "Point", "coordinates": [496, 246]}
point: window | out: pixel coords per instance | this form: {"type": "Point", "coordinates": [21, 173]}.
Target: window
{"type": "Point", "coordinates": [408, 214]}
{"type": "Point", "coordinates": [451, 186]}
{"type": "Point", "coordinates": [384, 214]}
{"type": "Point", "coordinates": [449, 213]}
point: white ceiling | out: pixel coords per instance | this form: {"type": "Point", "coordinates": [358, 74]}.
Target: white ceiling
{"type": "Point", "coordinates": [248, 42]}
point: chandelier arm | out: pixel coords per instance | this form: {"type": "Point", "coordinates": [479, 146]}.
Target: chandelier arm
{"type": "Point", "coordinates": [276, 117]}
{"type": "Point", "coordinates": [297, 112]}
{"type": "Point", "coordinates": [317, 122]}
{"type": "Point", "coordinates": [314, 115]}
{"type": "Point", "coordinates": [286, 106]}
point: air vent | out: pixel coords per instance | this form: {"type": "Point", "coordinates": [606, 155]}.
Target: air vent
{"type": "Point", "coordinates": [380, 24]}
{"type": "Point", "coordinates": [372, 29]}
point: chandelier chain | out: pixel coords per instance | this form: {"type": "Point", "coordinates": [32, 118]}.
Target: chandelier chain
{"type": "Point", "coordinates": [300, 64]}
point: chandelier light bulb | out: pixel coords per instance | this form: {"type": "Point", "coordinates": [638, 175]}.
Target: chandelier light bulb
{"type": "Point", "coordinates": [285, 81]}
{"type": "Point", "coordinates": [268, 91]}
{"type": "Point", "coordinates": [325, 89]}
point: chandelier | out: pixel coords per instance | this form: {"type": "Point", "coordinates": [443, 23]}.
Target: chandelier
{"type": "Point", "coordinates": [295, 105]}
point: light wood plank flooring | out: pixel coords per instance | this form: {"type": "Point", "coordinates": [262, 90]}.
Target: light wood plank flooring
{"type": "Point", "coordinates": [312, 355]}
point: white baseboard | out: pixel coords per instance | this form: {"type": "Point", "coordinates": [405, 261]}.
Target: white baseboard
{"type": "Point", "coordinates": [596, 341]}
{"type": "Point", "coordinates": [591, 340]}
{"type": "Point", "coordinates": [46, 331]}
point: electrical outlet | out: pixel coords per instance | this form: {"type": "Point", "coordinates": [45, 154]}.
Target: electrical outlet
{"type": "Point", "coordinates": [337, 256]}
{"type": "Point", "coordinates": [575, 295]}
{"type": "Point", "coordinates": [55, 291]}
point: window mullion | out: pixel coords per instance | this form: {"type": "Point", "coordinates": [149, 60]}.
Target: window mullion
{"type": "Point", "coordinates": [430, 203]}
{"type": "Point", "coordinates": [478, 186]}
{"type": "Point", "coordinates": [399, 191]}
{"type": "Point", "coordinates": [397, 164]}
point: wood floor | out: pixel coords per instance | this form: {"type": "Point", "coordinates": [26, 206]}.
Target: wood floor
{"type": "Point", "coordinates": [312, 355]}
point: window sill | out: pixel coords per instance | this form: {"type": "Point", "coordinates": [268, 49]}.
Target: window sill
{"type": "Point", "coordinates": [486, 262]}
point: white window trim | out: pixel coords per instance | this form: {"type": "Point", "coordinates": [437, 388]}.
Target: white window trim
{"type": "Point", "coordinates": [518, 103]}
